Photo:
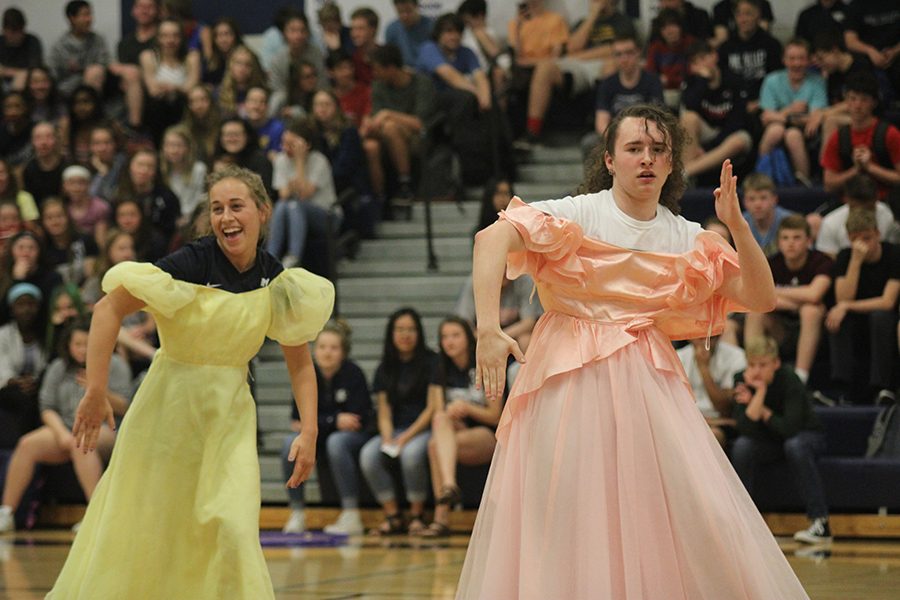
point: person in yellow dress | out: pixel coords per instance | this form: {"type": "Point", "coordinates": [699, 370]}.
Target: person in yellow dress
{"type": "Point", "coordinates": [176, 515]}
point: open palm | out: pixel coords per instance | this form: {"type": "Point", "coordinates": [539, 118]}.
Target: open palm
{"type": "Point", "coordinates": [728, 207]}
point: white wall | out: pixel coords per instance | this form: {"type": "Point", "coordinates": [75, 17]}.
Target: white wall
{"type": "Point", "coordinates": [47, 19]}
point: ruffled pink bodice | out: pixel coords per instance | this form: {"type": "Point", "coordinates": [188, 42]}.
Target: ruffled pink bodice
{"type": "Point", "coordinates": [599, 298]}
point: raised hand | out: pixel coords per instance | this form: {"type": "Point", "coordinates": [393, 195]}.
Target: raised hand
{"type": "Point", "coordinates": [728, 207]}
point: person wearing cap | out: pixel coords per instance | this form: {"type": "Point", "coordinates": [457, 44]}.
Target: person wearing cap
{"type": "Point", "coordinates": [89, 214]}
{"type": "Point", "coordinates": [19, 51]}
{"type": "Point", "coordinates": [22, 359]}
{"type": "Point", "coordinates": [24, 262]}
{"type": "Point", "coordinates": [42, 175]}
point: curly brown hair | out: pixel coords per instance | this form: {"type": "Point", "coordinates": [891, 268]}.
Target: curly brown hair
{"type": "Point", "coordinates": [597, 177]}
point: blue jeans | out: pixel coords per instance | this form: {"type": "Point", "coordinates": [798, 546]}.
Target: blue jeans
{"type": "Point", "coordinates": [800, 451]}
{"type": "Point", "coordinates": [413, 464]}
{"type": "Point", "coordinates": [292, 221]}
{"type": "Point", "coordinates": [342, 448]}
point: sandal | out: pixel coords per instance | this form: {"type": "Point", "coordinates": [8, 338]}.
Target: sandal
{"type": "Point", "coordinates": [436, 530]}
{"type": "Point", "coordinates": [416, 525]}
{"type": "Point", "coordinates": [450, 495]}
{"type": "Point", "coordinates": [392, 525]}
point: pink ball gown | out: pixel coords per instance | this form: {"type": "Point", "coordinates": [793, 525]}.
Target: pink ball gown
{"type": "Point", "coordinates": [606, 483]}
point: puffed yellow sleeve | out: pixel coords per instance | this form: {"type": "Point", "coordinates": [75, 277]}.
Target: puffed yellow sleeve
{"type": "Point", "coordinates": [161, 292]}
{"type": "Point", "coordinates": [301, 304]}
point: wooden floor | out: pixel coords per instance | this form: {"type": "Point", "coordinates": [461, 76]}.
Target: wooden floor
{"type": "Point", "coordinates": [409, 569]}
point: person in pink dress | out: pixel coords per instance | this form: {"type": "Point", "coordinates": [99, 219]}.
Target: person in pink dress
{"type": "Point", "coordinates": [606, 482]}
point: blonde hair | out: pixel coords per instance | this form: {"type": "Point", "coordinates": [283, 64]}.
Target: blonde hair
{"type": "Point", "coordinates": [182, 131]}
{"type": "Point", "coordinates": [254, 184]}
{"type": "Point", "coordinates": [228, 90]}
{"type": "Point", "coordinates": [760, 347]}
{"type": "Point", "coordinates": [342, 329]}
{"type": "Point", "coordinates": [757, 182]}
{"type": "Point", "coordinates": [861, 219]}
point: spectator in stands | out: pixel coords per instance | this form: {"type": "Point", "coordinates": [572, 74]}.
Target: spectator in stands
{"type": "Point", "coordinates": [202, 118]}
{"type": "Point", "coordinates": [695, 21]}
{"type": "Point", "coordinates": [463, 422]}
{"type": "Point", "coordinates": [196, 34]}
{"type": "Point", "coordinates": [26, 262]}
{"type": "Point", "coordinates": [793, 102]}
{"type": "Point", "coordinates": [116, 246]}
{"type": "Point", "coordinates": [403, 107]}
{"type": "Point", "coordinates": [711, 375]}
{"type": "Point", "coordinates": [762, 212]}
{"type": "Point", "coordinates": [168, 71]}
{"type": "Point", "coordinates": [863, 322]}
{"type": "Point", "coordinates": [65, 307]}
{"type": "Point", "coordinates": [363, 28]}
{"type": "Point", "coordinates": [301, 92]}
{"type": "Point", "coordinates": [821, 17]}
{"type": "Point", "coordinates": [140, 182]}
{"type": "Point", "coordinates": [10, 192]}
{"type": "Point", "coordinates": [726, 20]}
{"type": "Point", "coordinates": [749, 52]}
{"type": "Point", "coordinates": [19, 51]}
{"type": "Point", "coordinates": [776, 422]}
{"type": "Point", "coordinates": [630, 84]}
{"type": "Point", "coordinates": [106, 162]}
{"type": "Point", "coordinates": [268, 129]}
{"type": "Point", "coordinates": [667, 55]}
{"type": "Point", "coordinates": [802, 278]}
{"type": "Point", "coordinates": [149, 244]}
{"type": "Point", "coordinates": [404, 417]}
{"type": "Point", "coordinates": [71, 253]}
{"type": "Point", "coordinates": [837, 64]}
{"type": "Point", "coordinates": [80, 56]}
{"type": "Point", "coordinates": [452, 66]}
{"type": "Point", "coordinates": [346, 423]}
{"type": "Point", "coordinates": [61, 389]}
{"type": "Point", "coordinates": [180, 169]}
{"type": "Point", "coordinates": [481, 37]}
{"type": "Point", "coordinates": [340, 142]}
{"type": "Point", "coordinates": [858, 191]}
{"type": "Point", "coordinates": [237, 145]}
{"type": "Point", "coordinates": [873, 28]}
{"type": "Point", "coordinates": [42, 175]}
{"type": "Point", "coordinates": [713, 112]}
{"type": "Point", "coordinates": [243, 73]}
{"type": "Point", "coordinates": [586, 60]}
{"type": "Point", "coordinates": [497, 193]}
{"type": "Point", "coordinates": [272, 38]}
{"type": "Point", "coordinates": [867, 145]}
{"type": "Point", "coordinates": [85, 113]}
{"type": "Point", "coordinates": [22, 361]}
{"type": "Point", "coordinates": [519, 312]}
{"type": "Point", "coordinates": [409, 31]}
{"type": "Point", "coordinates": [89, 214]}
{"type": "Point", "coordinates": [354, 96]}
{"type": "Point", "coordinates": [15, 130]}
{"type": "Point", "coordinates": [226, 36]}
{"type": "Point", "coordinates": [11, 223]}
{"type": "Point", "coordinates": [305, 190]}
{"type": "Point", "coordinates": [44, 101]}
{"type": "Point", "coordinates": [128, 58]}
{"type": "Point", "coordinates": [335, 36]}
{"type": "Point", "coordinates": [285, 69]}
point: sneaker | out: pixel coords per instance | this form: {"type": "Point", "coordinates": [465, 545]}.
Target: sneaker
{"type": "Point", "coordinates": [823, 399]}
{"type": "Point", "coordinates": [885, 398]}
{"type": "Point", "coordinates": [296, 523]}
{"type": "Point", "coordinates": [7, 520]}
{"type": "Point", "coordinates": [290, 261]}
{"type": "Point", "coordinates": [818, 533]}
{"type": "Point", "coordinates": [76, 527]}
{"type": "Point", "coordinates": [348, 523]}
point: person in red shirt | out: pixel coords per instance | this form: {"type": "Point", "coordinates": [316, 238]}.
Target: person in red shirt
{"type": "Point", "coordinates": [667, 55]}
{"type": "Point", "coordinates": [869, 144]}
{"type": "Point", "coordinates": [363, 27]}
{"type": "Point", "coordinates": [355, 97]}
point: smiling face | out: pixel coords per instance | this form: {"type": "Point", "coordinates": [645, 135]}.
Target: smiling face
{"type": "Point", "coordinates": [103, 146]}
{"type": "Point", "coordinates": [10, 218]}
{"type": "Point", "coordinates": [450, 39]}
{"type": "Point", "coordinates": [796, 61]}
{"type": "Point", "coordinates": [234, 137]}
{"type": "Point", "coordinates": [76, 189]}
{"type": "Point", "coordinates": [328, 352]}
{"type": "Point", "coordinates": [236, 219]}
{"type": "Point", "coordinates": [642, 161]}
{"type": "Point", "coordinates": [256, 104]}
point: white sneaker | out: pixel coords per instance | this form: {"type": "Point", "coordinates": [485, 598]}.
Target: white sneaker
{"type": "Point", "coordinates": [348, 523]}
{"type": "Point", "coordinates": [76, 527]}
{"type": "Point", "coordinates": [7, 520]}
{"type": "Point", "coordinates": [296, 523]}
{"type": "Point", "coordinates": [818, 533]}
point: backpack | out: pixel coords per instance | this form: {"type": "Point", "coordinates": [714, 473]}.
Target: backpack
{"type": "Point", "coordinates": [884, 441]}
{"type": "Point", "coordinates": [879, 145]}
{"type": "Point", "coordinates": [777, 166]}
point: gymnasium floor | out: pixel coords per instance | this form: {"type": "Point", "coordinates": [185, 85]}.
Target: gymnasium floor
{"type": "Point", "coordinates": [410, 569]}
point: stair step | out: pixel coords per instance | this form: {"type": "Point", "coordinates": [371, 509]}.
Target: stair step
{"type": "Point", "coordinates": [565, 174]}
{"type": "Point", "coordinates": [402, 290]}
{"type": "Point", "coordinates": [404, 266]}
{"type": "Point", "coordinates": [364, 307]}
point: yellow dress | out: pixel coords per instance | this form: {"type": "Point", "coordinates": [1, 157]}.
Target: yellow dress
{"type": "Point", "coordinates": [176, 515]}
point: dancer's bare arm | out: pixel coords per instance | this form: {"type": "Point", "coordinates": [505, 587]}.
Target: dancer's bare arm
{"type": "Point", "coordinates": [755, 289]}
{"type": "Point", "coordinates": [306, 395]}
{"type": "Point", "coordinates": [488, 265]}
{"type": "Point", "coordinates": [94, 407]}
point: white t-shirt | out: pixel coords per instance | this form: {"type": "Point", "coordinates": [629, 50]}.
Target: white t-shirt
{"type": "Point", "coordinates": [602, 220]}
{"type": "Point", "coordinates": [727, 361]}
{"type": "Point", "coordinates": [833, 231]}
{"type": "Point", "coordinates": [318, 171]}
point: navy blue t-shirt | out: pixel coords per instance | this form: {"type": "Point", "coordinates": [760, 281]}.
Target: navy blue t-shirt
{"type": "Point", "coordinates": [613, 97]}
{"type": "Point", "coordinates": [202, 262]}
{"type": "Point", "coordinates": [348, 392]}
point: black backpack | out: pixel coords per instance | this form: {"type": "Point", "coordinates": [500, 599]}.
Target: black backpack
{"type": "Point", "coordinates": [884, 441]}
{"type": "Point", "coordinates": [879, 145]}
